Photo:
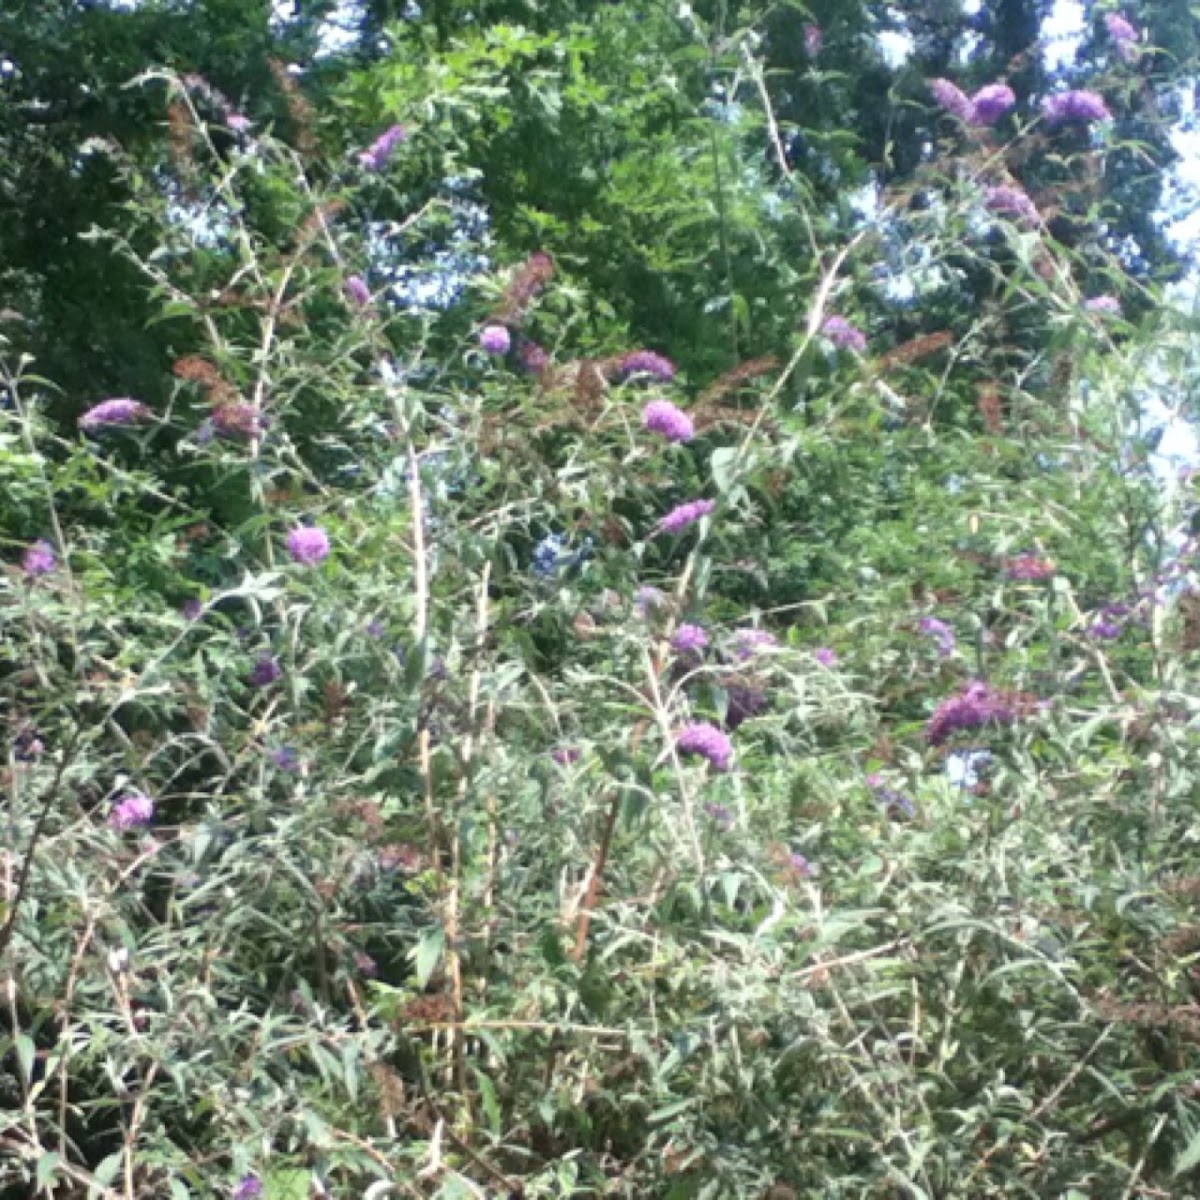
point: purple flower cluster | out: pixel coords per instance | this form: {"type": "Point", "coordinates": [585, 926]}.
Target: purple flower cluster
{"type": "Point", "coordinates": [1010, 201]}
{"type": "Point", "coordinates": [131, 810]}
{"type": "Point", "coordinates": [119, 411]}
{"type": "Point", "coordinates": [39, 559]}
{"type": "Point", "coordinates": [265, 671]}
{"type": "Point", "coordinates": [495, 339]}
{"type": "Point", "coordinates": [308, 544]}
{"type": "Point", "coordinates": [683, 515]}
{"type": "Point", "coordinates": [952, 98]}
{"type": "Point", "coordinates": [844, 335]}
{"type": "Point", "coordinates": [689, 639]}
{"type": "Point", "coordinates": [990, 103]}
{"type": "Point", "coordinates": [814, 39]}
{"type": "Point", "coordinates": [286, 758]}
{"type": "Point", "coordinates": [1105, 305]}
{"type": "Point", "coordinates": [565, 755]}
{"type": "Point", "coordinates": [942, 634]}
{"type": "Point", "coordinates": [1079, 106]}
{"type": "Point", "coordinates": [357, 291]}
{"type": "Point", "coordinates": [249, 1187]}
{"type": "Point", "coordinates": [1029, 568]}
{"type": "Point", "coordinates": [977, 704]}
{"type": "Point", "coordinates": [661, 416]}
{"type": "Point", "coordinates": [375, 157]}
{"type": "Point", "coordinates": [706, 740]}
{"type": "Point", "coordinates": [1123, 34]}
{"type": "Point", "coordinates": [646, 362]}
{"type": "Point", "coordinates": [826, 656]}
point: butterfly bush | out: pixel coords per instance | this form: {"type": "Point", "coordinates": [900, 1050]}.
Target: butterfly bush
{"type": "Point", "coordinates": [941, 633]}
{"type": "Point", "coordinates": [1080, 106]}
{"type": "Point", "coordinates": [826, 656]}
{"type": "Point", "coordinates": [357, 291]}
{"type": "Point", "coordinates": [689, 639]}
{"type": "Point", "coordinates": [131, 810]}
{"type": "Point", "coordinates": [844, 335]}
{"type": "Point", "coordinates": [990, 103]}
{"type": "Point", "coordinates": [1028, 567]}
{"type": "Point", "coordinates": [707, 741]}
{"type": "Point", "coordinates": [661, 416]}
{"type": "Point", "coordinates": [976, 705]}
{"type": "Point", "coordinates": [952, 98]}
{"type": "Point", "coordinates": [1123, 34]}
{"type": "Point", "coordinates": [1105, 305]}
{"type": "Point", "coordinates": [683, 515]}
{"type": "Point", "coordinates": [814, 40]}
{"type": "Point", "coordinates": [308, 544]}
{"type": "Point", "coordinates": [39, 559]}
{"type": "Point", "coordinates": [1010, 201]}
{"type": "Point", "coordinates": [647, 362]}
{"type": "Point", "coordinates": [495, 339]}
{"type": "Point", "coordinates": [121, 410]}
{"type": "Point", "coordinates": [377, 155]}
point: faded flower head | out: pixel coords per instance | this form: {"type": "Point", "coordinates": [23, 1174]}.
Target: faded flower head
{"type": "Point", "coordinates": [308, 544]}
{"type": "Point", "coordinates": [1028, 567]}
{"type": "Point", "coordinates": [237, 420]}
{"type": "Point", "coordinates": [285, 758]}
{"type": "Point", "coordinates": [952, 98]}
{"type": "Point", "coordinates": [375, 157]}
{"type": "Point", "coordinates": [534, 358]}
{"type": "Point", "coordinates": [646, 362]}
{"type": "Point", "coordinates": [893, 801]}
{"type": "Point", "coordinates": [1079, 106]}
{"type": "Point", "coordinates": [705, 739]}
{"type": "Point", "coordinates": [977, 704]}
{"type": "Point", "coordinates": [683, 515]}
{"type": "Point", "coordinates": [990, 103]}
{"type": "Point", "coordinates": [942, 634]}
{"type": "Point", "coordinates": [119, 411]}
{"type": "Point", "coordinates": [748, 642]}
{"type": "Point", "coordinates": [495, 339]}
{"type": "Point", "coordinates": [661, 416]}
{"type": "Point", "coordinates": [565, 755]}
{"type": "Point", "coordinates": [742, 704]}
{"type": "Point", "coordinates": [689, 639]}
{"type": "Point", "coordinates": [648, 600]}
{"type": "Point", "coordinates": [192, 609]}
{"type": "Point", "coordinates": [39, 559]}
{"type": "Point", "coordinates": [131, 810]}
{"type": "Point", "coordinates": [1010, 201]}
{"type": "Point", "coordinates": [357, 291]}
{"type": "Point", "coordinates": [844, 335]}
{"type": "Point", "coordinates": [814, 39]}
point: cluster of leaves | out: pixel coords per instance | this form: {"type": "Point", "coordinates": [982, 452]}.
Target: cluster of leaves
{"type": "Point", "coordinates": [434, 899]}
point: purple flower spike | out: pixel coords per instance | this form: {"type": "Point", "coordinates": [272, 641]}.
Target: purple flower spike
{"type": "Point", "coordinates": [133, 809]}
{"type": "Point", "coordinates": [1124, 36]}
{"type": "Point", "coordinates": [39, 559]}
{"type": "Point", "coordinates": [708, 741]}
{"type": "Point", "coordinates": [308, 544]}
{"type": "Point", "coordinates": [683, 515]}
{"type": "Point", "coordinates": [977, 704]}
{"type": "Point", "coordinates": [941, 633]}
{"type": "Point", "coordinates": [249, 1187]}
{"type": "Point", "coordinates": [1082, 107]}
{"type": "Point", "coordinates": [357, 291]}
{"type": "Point", "coordinates": [1102, 627]}
{"type": "Point", "coordinates": [647, 362]}
{"type": "Point", "coordinates": [990, 103]}
{"type": "Point", "coordinates": [119, 411]}
{"type": "Point", "coordinates": [661, 416]}
{"type": "Point", "coordinates": [1010, 202]}
{"type": "Point", "coordinates": [814, 39]}
{"type": "Point", "coordinates": [952, 98]}
{"type": "Point", "coordinates": [826, 656]}
{"type": "Point", "coordinates": [1105, 305]}
{"type": "Point", "coordinates": [495, 339]}
{"type": "Point", "coordinates": [689, 639]}
{"type": "Point", "coordinates": [844, 335]}
{"type": "Point", "coordinates": [375, 157]}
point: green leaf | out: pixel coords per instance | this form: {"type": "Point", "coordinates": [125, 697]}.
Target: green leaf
{"type": "Point", "coordinates": [428, 954]}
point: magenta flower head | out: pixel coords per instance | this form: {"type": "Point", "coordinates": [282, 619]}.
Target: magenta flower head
{"type": "Point", "coordinates": [1124, 36]}
{"type": "Point", "coordinates": [826, 656]}
{"type": "Point", "coordinates": [357, 291]}
{"type": "Point", "coordinates": [706, 740]}
{"type": "Point", "coordinates": [1080, 107]}
{"type": "Point", "coordinates": [249, 1187]}
{"type": "Point", "coordinates": [375, 157]}
{"type": "Point", "coordinates": [131, 810]}
{"type": "Point", "coordinates": [646, 362]}
{"type": "Point", "coordinates": [565, 755]}
{"type": "Point", "coordinates": [683, 515]}
{"type": "Point", "coordinates": [661, 416]}
{"type": "Point", "coordinates": [1010, 201]}
{"type": "Point", "coordinates": [39, 559]}
{"type": "Point", "coordinates": [814, 39]}
{"type": "Point", "coordinates": [990, 103]}
{"type": "Point", "coordinates": [1105, 305]}
{"type": "Point", "coordinates": [308, 544]}
{"type": "Point", "coordinates": [952, 98]}
{"type": "Point", "coordinates": [495, 339]}
{"type": "Point", "coordinates": [1028, 568]}
{"type": "Point", "coordinates": [689, 639]}
{"type": "Point", "coordinates": [118, 411]}
{"type": "Point", "coordinates": [977, 704]}
{"type": "Point", "coordinates": [844, 335]}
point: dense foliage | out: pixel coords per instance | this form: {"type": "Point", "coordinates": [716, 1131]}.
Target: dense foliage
{"type": "Point", "coordinates": [590, 605]}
